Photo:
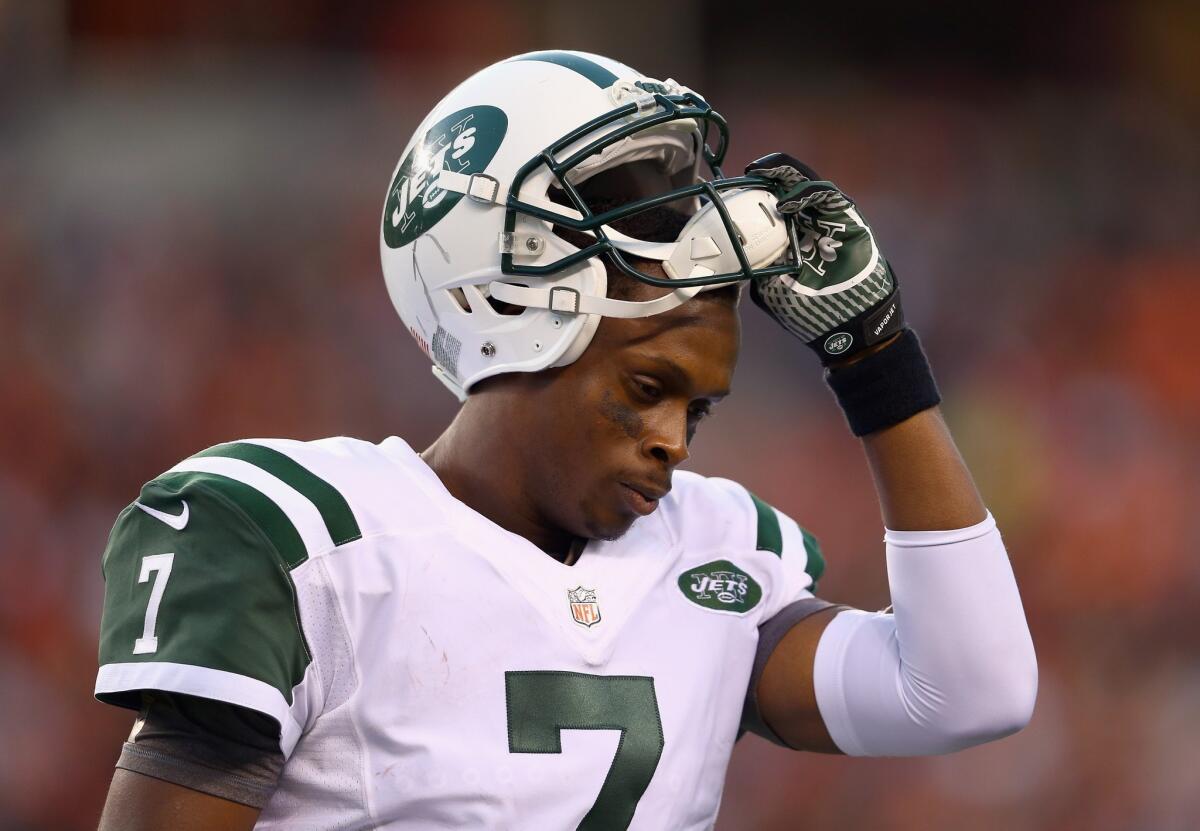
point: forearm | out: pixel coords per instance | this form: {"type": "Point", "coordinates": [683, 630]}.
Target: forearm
{"type": "Point", "coordinates": [920, 478]}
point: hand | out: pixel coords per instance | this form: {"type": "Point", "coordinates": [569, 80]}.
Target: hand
{"type": "Point", "coordinates": [843, 296]}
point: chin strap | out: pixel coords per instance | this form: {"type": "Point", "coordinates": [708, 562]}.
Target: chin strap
{"type": "Point", "coordinates": [571, 301]}
{"type": "Point", "coordinates": [477, 186]}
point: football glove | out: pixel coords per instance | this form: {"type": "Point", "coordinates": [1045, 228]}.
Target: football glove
{"type": "Point", "coordinates": [842, 297]}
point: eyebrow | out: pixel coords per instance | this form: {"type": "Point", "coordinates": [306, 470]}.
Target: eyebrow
{"type": "Point", "coordinates": [681, 375]}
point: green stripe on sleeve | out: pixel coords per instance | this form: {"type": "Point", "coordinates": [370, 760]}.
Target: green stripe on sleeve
{"type": "Point", "coordinates": [591, 70]}
{"type": "Point", "coordinates": [815, 564]}
{"type": "Point", "coordinates": [770, 536]}
{"type": "Point", "coordinates": [334, 510]}
{"type": "Point", "coordinates": [260, 509]}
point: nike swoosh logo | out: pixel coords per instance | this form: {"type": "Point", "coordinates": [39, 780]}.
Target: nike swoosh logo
{"type": "Point", "coordinates": [176, 521]}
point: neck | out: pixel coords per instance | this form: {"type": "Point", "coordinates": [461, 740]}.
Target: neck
{"type": "Point", "coordinates": [482, 466]}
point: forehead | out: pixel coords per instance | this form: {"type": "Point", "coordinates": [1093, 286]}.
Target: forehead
{"type": "Point", "coordinates": [697, 341]}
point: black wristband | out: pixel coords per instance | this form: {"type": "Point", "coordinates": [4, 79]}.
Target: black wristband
{"type": "Point", "coordinates": [885, 387]}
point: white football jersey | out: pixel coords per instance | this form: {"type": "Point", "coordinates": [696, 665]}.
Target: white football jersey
{"type": "Point", "coordinates": [429, 669]}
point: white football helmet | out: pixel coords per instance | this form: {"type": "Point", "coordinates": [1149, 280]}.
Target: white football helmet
{"type": "Point", "coordinates": [469, 214]}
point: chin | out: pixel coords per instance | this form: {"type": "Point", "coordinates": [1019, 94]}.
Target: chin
{"type": "Point", "coordinates": [608, 529]}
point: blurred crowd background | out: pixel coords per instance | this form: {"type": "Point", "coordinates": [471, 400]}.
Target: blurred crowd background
{"type": "Point", "coordinates": [189, 198]}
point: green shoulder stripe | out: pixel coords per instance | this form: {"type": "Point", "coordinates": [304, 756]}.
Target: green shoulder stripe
{"type": "Point", "coordinates": [815, 564]}
{"type": "Point", "coordinates": [770, 536]}
{"type": "Point", "coordinates": [262, 512]}
{"type": "Point", "coordinates": [334, 510]}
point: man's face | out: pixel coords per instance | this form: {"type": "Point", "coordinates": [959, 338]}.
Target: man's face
{"type": "Point", "coordinates": [612, 427]}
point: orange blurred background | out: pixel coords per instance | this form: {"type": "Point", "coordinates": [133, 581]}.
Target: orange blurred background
{"type": "Point", "coordinates": [189, 197]}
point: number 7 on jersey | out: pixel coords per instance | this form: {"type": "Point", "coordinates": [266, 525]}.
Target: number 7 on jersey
{"type": "Point", "coordinates": [160, 566]}
{"type": "Point", "coordinates": [543, 704]}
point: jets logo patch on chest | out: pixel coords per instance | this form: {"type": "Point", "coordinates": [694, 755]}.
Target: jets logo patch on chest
{"type": "Point", "coordinates": [721, 586]}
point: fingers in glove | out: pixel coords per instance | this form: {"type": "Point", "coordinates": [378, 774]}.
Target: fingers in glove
{"type": "Point", "coordinates": [819, 195]}
{"type": "Point", "coordinates": [783, 168]}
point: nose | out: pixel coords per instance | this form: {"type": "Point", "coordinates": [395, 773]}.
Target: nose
{"type": "Point", "coordinates": [666, 437]}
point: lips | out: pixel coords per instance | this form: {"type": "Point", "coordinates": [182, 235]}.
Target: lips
{"type": "Point", "coordinates": [642, 498]}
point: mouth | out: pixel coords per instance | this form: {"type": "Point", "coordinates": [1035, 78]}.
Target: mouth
{"type": "Point", "coordinates": [641, 498]}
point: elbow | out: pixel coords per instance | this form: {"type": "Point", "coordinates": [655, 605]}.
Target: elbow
{"type": "Point", "coordinates": [1001, 703]}
{"type": "Point", "coordinates": [1010, 709]}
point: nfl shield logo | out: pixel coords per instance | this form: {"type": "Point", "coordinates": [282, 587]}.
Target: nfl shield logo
{"type": "Point", "coordinates": [584, 608]}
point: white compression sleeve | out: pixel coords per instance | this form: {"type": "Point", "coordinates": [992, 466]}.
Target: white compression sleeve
{"type": "Point", "coordinates": [953, 666]}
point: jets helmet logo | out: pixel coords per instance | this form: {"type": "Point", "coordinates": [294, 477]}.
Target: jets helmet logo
{"type": "Point", "coordinates": [584, 608]}
{"type": "Point", "coordinates": [464, 142]}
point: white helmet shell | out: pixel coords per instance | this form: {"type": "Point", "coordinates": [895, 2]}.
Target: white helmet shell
{"type": "Point", "coordinates": [450, 239]}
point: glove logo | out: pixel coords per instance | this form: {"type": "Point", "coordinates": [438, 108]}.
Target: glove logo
{"type": "Point", "coordinates": [819, 245]}
{"type": "Point", "coordinates": [838, 342]}
{"type": "Point", "coordinates": [464, 142]}
{"type": "Point", "coordinates": [721, 586]}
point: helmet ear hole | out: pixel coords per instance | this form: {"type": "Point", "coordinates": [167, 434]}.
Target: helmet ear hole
{"type": "Point", "coordinates": [477, 300]}
{"type": "Point", "coordinates": [460, 297]}
{"type": "Point", "coordinates": [502, 308]}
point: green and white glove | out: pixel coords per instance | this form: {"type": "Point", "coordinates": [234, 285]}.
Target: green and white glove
{"type": "Point", "coordinates": [843, 296]}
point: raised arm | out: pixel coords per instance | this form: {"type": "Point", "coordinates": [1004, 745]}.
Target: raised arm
{"type": "Point", "coordinates": [953, 664]}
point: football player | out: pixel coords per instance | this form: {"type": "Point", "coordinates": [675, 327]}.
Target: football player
{"type": "Point", "coordinates": [538, 621]}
